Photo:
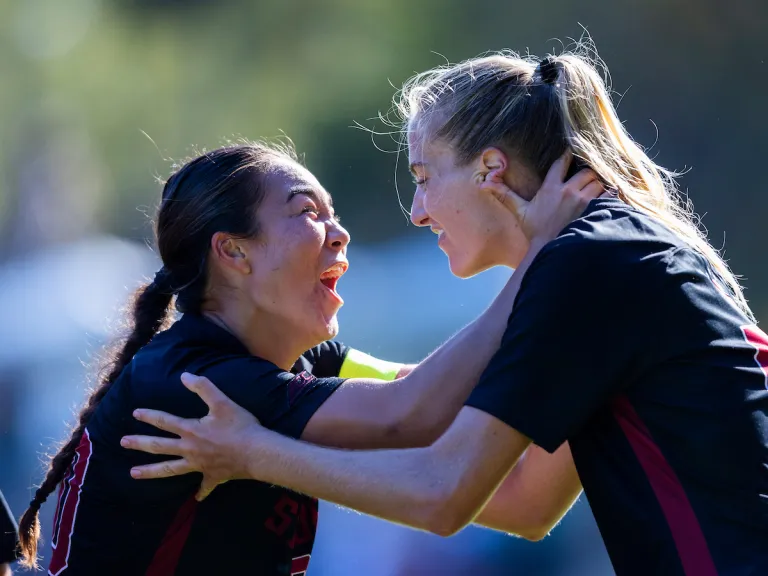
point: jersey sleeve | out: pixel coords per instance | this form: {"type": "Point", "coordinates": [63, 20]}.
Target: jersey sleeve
{"type": "Point", "coordinates": [324, 360]}
{"type": "Point", "coordinates": [333, 358]}
{"type": "Point", "coordinates": [569, 344]}
{"type": "Point", "coordinates": [8, 533]}
{"type": "Point", "coordinates": [282, 401]}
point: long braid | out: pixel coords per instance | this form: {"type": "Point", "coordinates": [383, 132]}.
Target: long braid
{"type": "Point", "coordinates": [150, 312]}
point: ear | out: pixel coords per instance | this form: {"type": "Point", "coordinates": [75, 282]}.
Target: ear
{"type": "Point", "coordinates": [490, 165]}
{"type": "Point", "coordinates": [230, 252]}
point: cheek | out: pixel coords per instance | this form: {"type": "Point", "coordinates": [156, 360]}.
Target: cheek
{"type": "Point", "coordinates": [443, 202]}
{"type": "Point", "coordinates": [287, 264]}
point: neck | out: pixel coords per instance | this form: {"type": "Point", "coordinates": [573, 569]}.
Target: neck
{"type": "Point", "coordinates": [265, 337]}
{"type": "Point", "coordinates": [512, 242]}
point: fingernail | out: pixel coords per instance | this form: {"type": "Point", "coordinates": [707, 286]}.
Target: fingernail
{"type": "Point", "coordinates": [135, 473]}
{"type": "Point", "coordinates": [136, 413]}
{"type": "Point", "coordinates": [124, 442]}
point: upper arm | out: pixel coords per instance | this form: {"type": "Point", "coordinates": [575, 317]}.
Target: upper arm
{"type": "Point", "coordinates": [562, 356]}
{"type": "Point", "coordinates": [290, 402]}
{"type": "Point", "coordinates": [473, 457]}
{"type": "Point", "coordinates": [364, 411]}
{"type": "Point", "coordinates": [281, 400]}
{"type": "Point", "coordinates": [535, 495]}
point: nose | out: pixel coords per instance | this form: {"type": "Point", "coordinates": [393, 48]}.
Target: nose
{"type": "Point", "coordinates": [337, 236]}
{"type": "Point", "coordinates": [418, 214]}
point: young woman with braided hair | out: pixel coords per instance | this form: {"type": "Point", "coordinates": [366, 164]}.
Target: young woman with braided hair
{"type": "Point", "coordinates": [630, 341]}
{"type": "Point", "coordinates": [251, 252]}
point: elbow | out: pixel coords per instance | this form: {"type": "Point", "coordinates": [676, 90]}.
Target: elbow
{"type": "Point", "coordinates": [445, 516]}
{"type": "Point", "coordinates": [537, 530]}
{"type": "Point", "coordinates": [534, 534]}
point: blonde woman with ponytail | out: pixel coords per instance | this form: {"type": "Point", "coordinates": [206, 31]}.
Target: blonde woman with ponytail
{"type": "Point", "coordinates": [630, 352]}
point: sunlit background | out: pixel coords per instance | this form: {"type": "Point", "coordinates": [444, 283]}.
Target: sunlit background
{"type": "Point", "coordinates": [98, 98]}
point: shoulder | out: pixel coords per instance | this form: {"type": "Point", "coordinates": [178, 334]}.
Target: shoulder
{"type": "Point", "coordinates": [324, 360]}
{"type": "Point", "coordinates": [611, 239]}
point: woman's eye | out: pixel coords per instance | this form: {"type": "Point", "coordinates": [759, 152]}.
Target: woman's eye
{"type": "Point", "coordinates": [309, 210]}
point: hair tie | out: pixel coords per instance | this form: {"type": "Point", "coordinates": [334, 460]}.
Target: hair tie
{"type": "Point", "coordinates": [547, 70]}
{"type": "Point", "coordinates": [163, 280]}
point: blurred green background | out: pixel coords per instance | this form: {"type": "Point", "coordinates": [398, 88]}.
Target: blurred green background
{"type": "Point", "coordinates": [97, 98]}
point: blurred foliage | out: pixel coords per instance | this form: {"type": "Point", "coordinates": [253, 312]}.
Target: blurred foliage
{"type": "Point", "coordinates": [83, 80]}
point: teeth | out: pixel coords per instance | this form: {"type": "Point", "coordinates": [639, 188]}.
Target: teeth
{"type": "Point", "coordinates": [335, 271]}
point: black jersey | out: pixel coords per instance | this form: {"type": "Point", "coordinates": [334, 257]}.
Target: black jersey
{"type": "Point", "coordinates": [9, 537]}
{"type": "Point", "coordinates": [108, 523]}
{"type": "Point", "coordinates": [623, 343]}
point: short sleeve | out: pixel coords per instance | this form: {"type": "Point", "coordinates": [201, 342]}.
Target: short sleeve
{"type": "Point", "coordinates": [8, 533]}
{"type": "Point", "coordinates": [282, 401]}
{"type": "Point", "coordinates": [324, 360]}
{"type": "Point", "coordinates": [569, 344]}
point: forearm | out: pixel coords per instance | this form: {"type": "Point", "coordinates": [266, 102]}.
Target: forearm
{"type": "Point", "coordinates": [434, 392]}
{"type": "Point", "coordinates": [535, 495]}
{"type": "Point", "coordinates": [395, 485]}
{"type": "Point", "coordinates": [439, 488]}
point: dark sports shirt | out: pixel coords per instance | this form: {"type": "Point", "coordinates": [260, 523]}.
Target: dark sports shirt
{"type": "Point", "coordinates": [108, 523]}
{"type": "Point", "coordinates": [9, 537]}
{"type": "Point", "coordinates": [623, 343]}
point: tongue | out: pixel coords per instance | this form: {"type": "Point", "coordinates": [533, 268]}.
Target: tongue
{"type": "Point", "coordinates": [329, 282]}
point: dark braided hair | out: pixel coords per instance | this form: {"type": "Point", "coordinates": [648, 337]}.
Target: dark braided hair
{"type": "Point", "coordinates": [219, 191]}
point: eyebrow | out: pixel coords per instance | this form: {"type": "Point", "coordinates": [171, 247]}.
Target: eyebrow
{"type": "Point", "coordinates": [311, 193]}
{"type": "Point", "coordinates": [415, 165]}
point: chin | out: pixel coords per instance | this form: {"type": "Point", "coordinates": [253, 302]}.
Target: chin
{"type": "Point", "coordinates": [328, 329]}
{"type": "Point", "coordinates": [465, 269]}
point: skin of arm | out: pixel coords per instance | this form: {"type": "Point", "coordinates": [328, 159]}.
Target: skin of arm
{"type": "Point", "coordinates": [440, 488]}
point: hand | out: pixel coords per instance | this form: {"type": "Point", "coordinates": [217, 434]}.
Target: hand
{"type": "Point", "coordinates": [5, 569]}
{"type": "Point", "coordinates": [556, 203]}
{"type": "Point", "coordinates": [214, 445]}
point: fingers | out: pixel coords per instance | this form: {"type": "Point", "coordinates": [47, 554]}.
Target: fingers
{"type": "Point", "coordinates": [205, 488]}
{"type": "Point", "coordinates": [153, 445]}
{"type": "Point", "coordinates": [581, 179]}
{"type": "Point", "coordinates": [558, 170]}
{"type": "Point", "coordinates": [212, 396]}
{"type": "Point", "coordinates": [594, 189]}
{"type": "Point", "coordinates": [165, 469]}
{"type": "Point", "coordinates": [494, 183]}
{"type": "Point", "coordinates": [161, 420]}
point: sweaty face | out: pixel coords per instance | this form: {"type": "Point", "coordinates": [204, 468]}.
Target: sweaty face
{"type": "Point", "coordinates": [472, 229]}
{"type": "Point", "coordinates": [299, 255]}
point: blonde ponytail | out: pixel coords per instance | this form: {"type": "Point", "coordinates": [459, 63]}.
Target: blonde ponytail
{"type": "Point", "coordinates": [597, 136]}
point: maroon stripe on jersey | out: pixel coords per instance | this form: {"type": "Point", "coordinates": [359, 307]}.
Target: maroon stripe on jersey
{"type": "Point", "coordinates": [683, 524]}
{"type": "Point", "coordinates": [168, 553]}
{"type": "Point", "coordinates": [297, 385]}
{"type": "Point", "coordinates": [759, 340]}
{"type": "Point", "coordinates": [67, 506]}
{"type": "Point", "coordinates": [300, 565]}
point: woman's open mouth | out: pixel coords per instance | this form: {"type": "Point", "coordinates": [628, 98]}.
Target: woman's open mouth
{"type": "Point", "coordinates": [331, 276]}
